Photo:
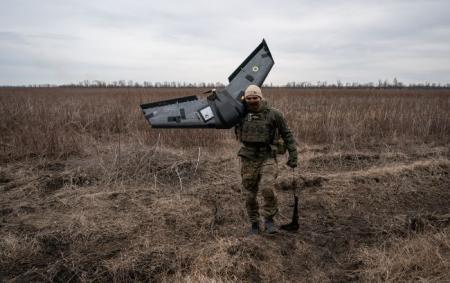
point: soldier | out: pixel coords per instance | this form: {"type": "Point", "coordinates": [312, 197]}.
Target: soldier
{"type": "Point", "coordinates": [259, 133]}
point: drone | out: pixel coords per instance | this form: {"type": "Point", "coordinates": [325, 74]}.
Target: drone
{"type": "Point", "coordinates": [221, 109]}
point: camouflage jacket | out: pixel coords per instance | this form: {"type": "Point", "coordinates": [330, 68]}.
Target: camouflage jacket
{"type": "Point", "coordinates": [276, 127]}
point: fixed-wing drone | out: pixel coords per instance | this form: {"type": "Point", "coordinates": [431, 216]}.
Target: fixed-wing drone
{"type": "Point", "coordinates": [222, 109]}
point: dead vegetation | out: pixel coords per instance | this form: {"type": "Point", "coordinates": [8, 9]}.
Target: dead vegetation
{"type": "Point", "coordinates": [409, 259]}
{"type": "Point", "coordinates": [90, 193]}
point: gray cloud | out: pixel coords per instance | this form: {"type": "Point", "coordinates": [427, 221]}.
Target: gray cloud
{"type": "Point", "coordinates": [69, 41]}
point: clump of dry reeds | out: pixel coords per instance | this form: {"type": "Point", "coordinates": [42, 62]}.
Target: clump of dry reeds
{"type": "Point", "coordinates": [361, 117]}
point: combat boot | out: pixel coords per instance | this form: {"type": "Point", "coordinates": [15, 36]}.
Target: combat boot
{"type": "Point", "coordinates": [270, 226]}
{"type": "Point", "coordinates": [254, 230]}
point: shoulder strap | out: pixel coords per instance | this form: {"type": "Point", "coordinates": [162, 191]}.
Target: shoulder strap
{"type": "Point", "coordinates": [276, 134]}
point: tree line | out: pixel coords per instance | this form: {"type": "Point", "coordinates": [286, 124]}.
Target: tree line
{"type": "Point", "coordinates": [395, 83]}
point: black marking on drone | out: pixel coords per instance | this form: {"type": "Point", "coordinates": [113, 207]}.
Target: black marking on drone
{"type": "Point", "coordinates": [250, 78]}
{"type": "Point", "coordinates": [174, 119]}
{"type": "Point", "coordinates": [182, 114]}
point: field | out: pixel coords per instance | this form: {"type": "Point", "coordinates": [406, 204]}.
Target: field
{"type": "Point", "coordinates": [89, 192]}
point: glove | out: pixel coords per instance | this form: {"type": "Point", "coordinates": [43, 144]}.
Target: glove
{"type": "Point", "coordinates": [292, 162]}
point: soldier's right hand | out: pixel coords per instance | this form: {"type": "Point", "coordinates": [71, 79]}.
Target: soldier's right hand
{"type": "Point", "coordinates": [292, 163]}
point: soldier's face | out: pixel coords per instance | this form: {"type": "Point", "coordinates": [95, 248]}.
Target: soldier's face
{"type": "Point", "coordinates": [253, 102]}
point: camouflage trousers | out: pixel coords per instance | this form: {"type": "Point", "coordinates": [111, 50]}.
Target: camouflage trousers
{"type": "Point", "coordinates": [259, 175]}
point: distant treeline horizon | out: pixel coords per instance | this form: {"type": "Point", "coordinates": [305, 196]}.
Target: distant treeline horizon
{"type": "Point", "coordinates": [174, 84]}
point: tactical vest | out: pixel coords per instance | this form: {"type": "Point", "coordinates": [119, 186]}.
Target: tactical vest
{"type": "Point", "coordinates": [256, 128]}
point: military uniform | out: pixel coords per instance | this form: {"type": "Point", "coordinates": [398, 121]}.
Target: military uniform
{"type": "Point", "coordinates": [259, 132]}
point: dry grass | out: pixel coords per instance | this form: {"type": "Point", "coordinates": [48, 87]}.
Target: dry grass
{"type": "Point", "coordinates": [423, 257]}
{"type": "Point", "coordinates": [15, 248]}
{"type": "Point", "coordinates": [66, 122]}
{"type": "Point", "coordinates": [89, 192]}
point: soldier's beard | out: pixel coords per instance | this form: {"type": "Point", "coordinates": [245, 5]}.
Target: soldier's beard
{"type": "Point", "coordinates": [253, 106]}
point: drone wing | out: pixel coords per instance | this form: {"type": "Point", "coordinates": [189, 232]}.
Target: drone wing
{"type": "Point", "coordinates": [253, 70]}
{"type": "Point", "coordinates": [184, 112]}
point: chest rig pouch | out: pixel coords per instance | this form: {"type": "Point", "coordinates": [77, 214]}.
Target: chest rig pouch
{"type": "Point", "coordinates": [256, 128]}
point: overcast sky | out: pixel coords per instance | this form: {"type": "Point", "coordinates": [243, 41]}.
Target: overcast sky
{"type": "Point", "coordinates": [54, 41]}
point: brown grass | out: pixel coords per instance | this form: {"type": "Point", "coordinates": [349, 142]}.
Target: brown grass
{"type": "Point", "coordinates": [89, 192]}
{"type": "Point", "coordinates": [66, 122]}
{"type": "Point", "coordinates": [409, 259]}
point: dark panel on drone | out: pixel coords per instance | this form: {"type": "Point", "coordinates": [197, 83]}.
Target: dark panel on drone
{"type": "Point", "coordinates": [168, 102]}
